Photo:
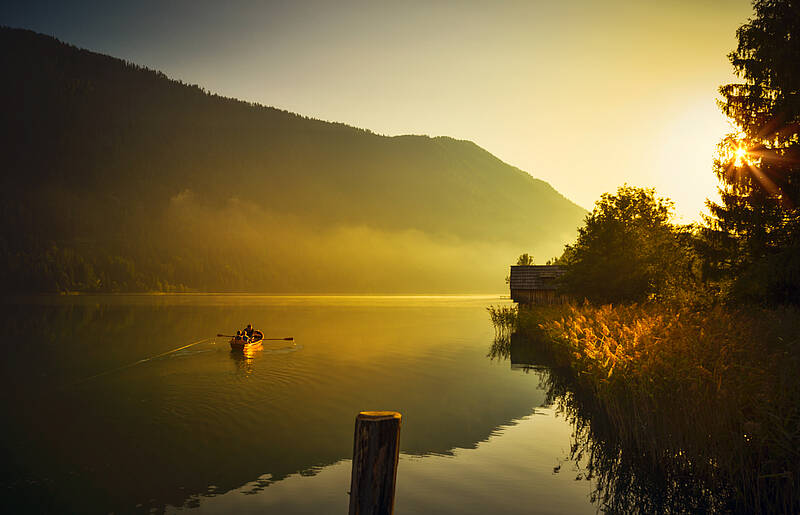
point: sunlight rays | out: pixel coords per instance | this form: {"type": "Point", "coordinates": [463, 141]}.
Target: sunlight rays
{"type": "Point", "coordinates": [741, 155]}
{"type": "Point", "coordinates": [748, 161]}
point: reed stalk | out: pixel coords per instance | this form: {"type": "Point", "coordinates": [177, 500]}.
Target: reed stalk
{"type": "Point", "coordinates": [707, 400]}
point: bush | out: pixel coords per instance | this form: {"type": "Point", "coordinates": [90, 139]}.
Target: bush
{"type": "Point", "coordinates": [629, 251]}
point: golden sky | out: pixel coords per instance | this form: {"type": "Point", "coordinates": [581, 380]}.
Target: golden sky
{"type": "Point", "coordinates": [586, 95]}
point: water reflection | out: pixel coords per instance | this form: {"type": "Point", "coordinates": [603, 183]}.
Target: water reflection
{"type": "Point", "coordinates": [162, 432]}
{"type": "Point", "coordinates": [245, 359]}
{"type": "Point", "coordinates": [522, 353]}
{"type": "Point", "coordinates": [631, 471]}
{"type": "Point", "coordinates": [501, 348]}
{"type": "Point", "coordinates": [509, 473]}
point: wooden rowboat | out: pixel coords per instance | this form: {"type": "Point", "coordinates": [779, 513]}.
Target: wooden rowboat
{"type": "Point", "coordinates": [241, 345]}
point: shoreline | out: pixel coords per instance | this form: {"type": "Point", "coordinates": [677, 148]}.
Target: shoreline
{"type": "Point", "coordinates": [678, 393]}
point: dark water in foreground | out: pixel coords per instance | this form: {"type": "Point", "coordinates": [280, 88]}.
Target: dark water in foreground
{"type": "Point", "coordinates": [204, 429]}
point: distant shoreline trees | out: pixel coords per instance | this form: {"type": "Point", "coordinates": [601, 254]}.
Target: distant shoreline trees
{"type": "Point", "coordinates": [118, 179]}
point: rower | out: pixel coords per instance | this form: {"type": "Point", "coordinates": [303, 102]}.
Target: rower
{"type": "Point", "coordinates": [248, 331]}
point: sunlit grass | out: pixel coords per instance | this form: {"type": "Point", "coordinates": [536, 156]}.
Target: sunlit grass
{"type": "Point", "coordinates": [713, 392]}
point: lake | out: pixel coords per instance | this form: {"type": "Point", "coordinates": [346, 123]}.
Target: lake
{"type": "Point", "coordinates": [92, 424]}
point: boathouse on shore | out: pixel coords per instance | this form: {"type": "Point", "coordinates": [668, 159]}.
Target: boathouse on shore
{"type": "Point", "coordinates": [536, 284]}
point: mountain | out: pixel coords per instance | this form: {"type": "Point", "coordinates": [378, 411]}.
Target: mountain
{"type": "Point", "coordinates": [118, 178]}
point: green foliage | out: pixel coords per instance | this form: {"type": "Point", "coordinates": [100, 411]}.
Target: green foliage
{"type": "Point", "coordinates": [525, 259]}
{"type": "Point", "coordinates": [628, 250]}
{"type": "Point", "coordinates": [756, 225]}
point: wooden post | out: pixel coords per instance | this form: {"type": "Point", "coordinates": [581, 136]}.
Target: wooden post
{"type": "Point", "coordinates": [376, 447]}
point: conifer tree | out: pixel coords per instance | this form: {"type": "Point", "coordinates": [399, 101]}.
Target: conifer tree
{"type": "Point", "coordinates": [753, 234]}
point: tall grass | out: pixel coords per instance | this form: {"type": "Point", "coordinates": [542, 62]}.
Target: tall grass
{"type": "Point", "coordinates": [708, 397]}
{"type": "Point", "coordinates": [504, 319]}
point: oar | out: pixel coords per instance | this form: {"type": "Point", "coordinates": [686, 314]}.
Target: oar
{"type": "Point", "coordinates": [281, 339]}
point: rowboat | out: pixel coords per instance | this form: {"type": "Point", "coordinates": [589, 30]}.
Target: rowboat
{"type": "Point", "coordinates": [241, 345]}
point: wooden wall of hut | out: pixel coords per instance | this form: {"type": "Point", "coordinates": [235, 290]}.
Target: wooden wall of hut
{"type": "Point", "coordinates": [538, 297]}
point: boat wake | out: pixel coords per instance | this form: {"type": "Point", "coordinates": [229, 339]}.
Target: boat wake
{"type": "Point", "coordinates": [143, 360]}
{"type": "Point", "coordinates": [283, 350]}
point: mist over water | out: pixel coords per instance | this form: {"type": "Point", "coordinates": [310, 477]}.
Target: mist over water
{"type": "Point", "coordinates": [122, 180]}
{"type": "Point", "coordinates": [288, 253]}
{"type": "Point", "coordinates": [206, 428]}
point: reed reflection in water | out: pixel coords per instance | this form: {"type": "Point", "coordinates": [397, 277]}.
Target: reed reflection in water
{"type": "Point", "coordinates": [625, 477]}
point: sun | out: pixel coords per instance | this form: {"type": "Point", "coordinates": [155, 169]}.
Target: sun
{"type": "Point", "coordinates": [742, 156]}
{"type": "Point", "coordinates": [739, 154]}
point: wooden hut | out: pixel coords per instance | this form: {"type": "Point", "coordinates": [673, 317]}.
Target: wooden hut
{"type": "Point", "coordinates": [536, 284]}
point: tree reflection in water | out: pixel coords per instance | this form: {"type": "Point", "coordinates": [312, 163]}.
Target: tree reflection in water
{"type": "Point", "coordinates": [629, 475]}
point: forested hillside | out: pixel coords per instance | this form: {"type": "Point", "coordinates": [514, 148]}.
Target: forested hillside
{"type": "Point", "coordinates": [117, 178]}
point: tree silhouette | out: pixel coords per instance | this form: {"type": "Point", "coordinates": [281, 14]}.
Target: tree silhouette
{"type": "Point", "coordinates": [627, 250]}
{"type": "Point", "coordinates": [752, 238]}
{"type": "Point", "coordinates": [525, 259]}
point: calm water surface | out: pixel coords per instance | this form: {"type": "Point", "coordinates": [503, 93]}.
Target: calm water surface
{"type": "Point", "coordinates": [87, 429]}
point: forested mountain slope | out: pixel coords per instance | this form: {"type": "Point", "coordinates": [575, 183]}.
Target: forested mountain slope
{"type": "Point", "coordinates": [117, 178]}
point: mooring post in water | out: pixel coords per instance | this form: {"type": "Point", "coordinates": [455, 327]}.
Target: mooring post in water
{"type": "Point", "coordinates": [376, 448]}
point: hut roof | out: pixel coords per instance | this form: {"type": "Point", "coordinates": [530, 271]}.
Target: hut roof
{"type": "Point", "coordinates": [535, 277]}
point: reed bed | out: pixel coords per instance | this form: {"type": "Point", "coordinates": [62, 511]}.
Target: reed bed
{"type": "Point", "coordinates": [710, 395]}
{"type": "Point", "coordinates": [504, 319]}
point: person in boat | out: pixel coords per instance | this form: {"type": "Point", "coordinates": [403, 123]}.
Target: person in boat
{"type": "Point", "coordinates": [241, 336]}
{"type": "Point", "coordinates": [249, 331]}
{"type": "Point", "coordinates": [252, 335]}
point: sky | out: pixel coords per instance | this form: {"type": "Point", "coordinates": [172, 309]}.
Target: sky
{"type": "Point", "coordinates": [586, 95]}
